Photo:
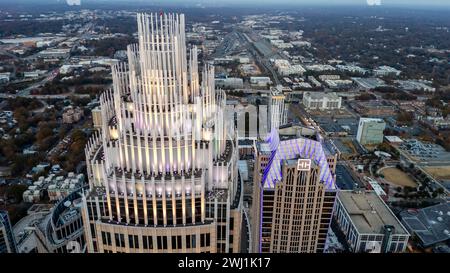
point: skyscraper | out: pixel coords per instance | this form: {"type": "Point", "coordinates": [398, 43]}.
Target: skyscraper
{"type": "Point", "coordinates": [7, 241]}
{"type": "Point", "coordinates": [277, 110]}
{"type": "Point", "coordinates": [294, 194]}
{"type": "Point", "coordinates": [162, 168]}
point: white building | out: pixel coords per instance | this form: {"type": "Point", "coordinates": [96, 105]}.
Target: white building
{"type": "Point", "coordinates": [351, 69]}
{"type": "Point", "coordinates": [284, 68]}
{"type": "Point", "coordinates": [260, 81]}
{"type": "Point", "coordinates": [66, 69]}
{"type": "Point", "coordinates": [412, 85]}
{"type": "Point", "coordinates": [329, 77]}
{"type": "Point", "coordinates": [386, 71]}
{"type": "Point", "coordinates": [58, 53]}
{"type": "Point", "coordinates": [58, 187]}
{"type": "Point", "coordinates": [277, 110]}
{"type": "Point", "coordinates": [321, 100]}
{"type": "Point", "coordinates": [320, 67]}
{"type": "Point", "coordinates": [370, 131]}
{"type": "Point", "coordinates": [339, 84]}
{"type": "Point", "coordinates": [5, 77]}
{"type": "Point", "coordinates": [162, 169]}
{"type": "Point", "coordinates": [281, 44]}
{"type": "Point", "coordinates": [33, 74]}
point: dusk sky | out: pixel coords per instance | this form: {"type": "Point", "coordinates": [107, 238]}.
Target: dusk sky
{"type": "Point", "coordinates": [328, 2]}
{"type": "Point", "coordinates": [299, 2]}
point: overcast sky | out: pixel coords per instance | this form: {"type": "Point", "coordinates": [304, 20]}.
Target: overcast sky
{"type": "Point", "coordinates": [404, 3]}
{"type": "Point", "coordinates": [330, 2]}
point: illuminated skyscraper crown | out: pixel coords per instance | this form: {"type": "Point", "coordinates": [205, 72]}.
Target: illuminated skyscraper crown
{"type": "Point", "coordinates": [158, 112]}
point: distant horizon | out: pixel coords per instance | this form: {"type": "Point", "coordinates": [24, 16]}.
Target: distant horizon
{"type": "Point", "coordinates": [255, 3]}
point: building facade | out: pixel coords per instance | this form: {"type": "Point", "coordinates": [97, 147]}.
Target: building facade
{"type": "Point", "coordinates": [7, 240]}
{"type": "Point", "coordinates": [72, 115]}
{"type": "Point", "coordinates": [61, 231]}
{"type": "Point", "coordinates": [370, 131]}
{"type": "Point", "coordinates": [368, 224]}
{"type": "Point", "coordinates": [293, 196]}
{"type": "Point", "coordinates": [162, 169]}
{"type": "Point", "coordinates": [321, 101]}
{"type": "Point", "coordinates": [277, 110]}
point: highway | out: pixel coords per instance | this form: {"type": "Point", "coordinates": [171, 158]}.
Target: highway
{"type": "Point", "coordinates": [261, 58]}
{"type": "Point", "coordinates": [43, 97]}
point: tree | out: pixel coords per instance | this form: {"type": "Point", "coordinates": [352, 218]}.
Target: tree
{"type": "Point", "coordinates": [405, 118]}
{"type": "Point", "coordinates": [16, 192]}
{"type": "Point", "coordinates": [8, 148]}
{"type": "Point", "coordinates": [407, 190]}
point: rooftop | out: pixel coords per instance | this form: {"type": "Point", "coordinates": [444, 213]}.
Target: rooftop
{"type": "Point", "coordinates": [294, 148]}
{"type": "Point", "coordinates": [321, 95]}
{"type": "Point", "coordinates": [431, 225]}
{"type": "Point", "coordinates": [368, 212]}
{"type": "Point", "coordinates": [371, 120]}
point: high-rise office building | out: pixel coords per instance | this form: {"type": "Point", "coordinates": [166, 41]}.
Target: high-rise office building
{"type": "Point", "coordinates": [7, 240]}
{"type": "Point", "coordinates": [370, 131]}
{"type": "Point", "coordinates": [162, 169]}
{"type": "Point", "coordinates": [277, 110]}
{"type": "Point", "coordinates": [294, 194]}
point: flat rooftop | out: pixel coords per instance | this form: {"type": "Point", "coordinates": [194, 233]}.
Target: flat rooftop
{"type": "Point", "coordinates": [368, 212]}
{"type": "Point", "coordinates": [321, 95]}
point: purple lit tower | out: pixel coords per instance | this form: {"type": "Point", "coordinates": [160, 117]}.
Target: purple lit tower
{"type": "Point", "coordinates": [162, 167]}
{"type": "Point", "coordinates": [294, 193]}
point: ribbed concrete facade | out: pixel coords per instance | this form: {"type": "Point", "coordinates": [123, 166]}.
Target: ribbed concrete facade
{"type": "Point", "coordinates": [162, 169]}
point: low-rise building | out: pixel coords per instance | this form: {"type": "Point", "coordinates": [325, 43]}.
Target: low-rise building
{"type": "Point", "coordinates": [338, 84]}
{"type": "Point", "coordinates": [260, 81]}
{"type": "Point", "coordinates": [58, 53]}
{"type": "Point", "coordinates": [230, 83]}
{"type": "Point", "coordinates": [72, 115]}
{"type": "Point", "coordinates": [5, 77]}
{"type": "Point", "coordinates": [281, 44]}
{"type": "Point", "coordinates": [329, 77]}
{"type": "Point", "coordinates": [284, 68]}
{"type": "Point", "coordinates": [415, 85]}
{"type": "Point", "coordinates": [368, 224]}
{"type": "Point", "coordinates": [314, 81]}
{"type": "Point", "coordinates": [373, 108]}
{"type": "Point", "coordinates": [351, 69]}
{"type": "Point", "coordinates": [368, 83]}
{"type": "Point", "coordinates": [386, 71]}
{"type": "Point", "coordinates": [320, 67]}
{"type": "Point", "coordinates": [321, 100]}
{"type": "Point", "coordinates": [33, 74]}
{"type": "Point", "coordinates": [57, 187]}
{"type": "Point", "coordinates": [66, 69]}
{"type": "Point", "coordinates": [428, 226]}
